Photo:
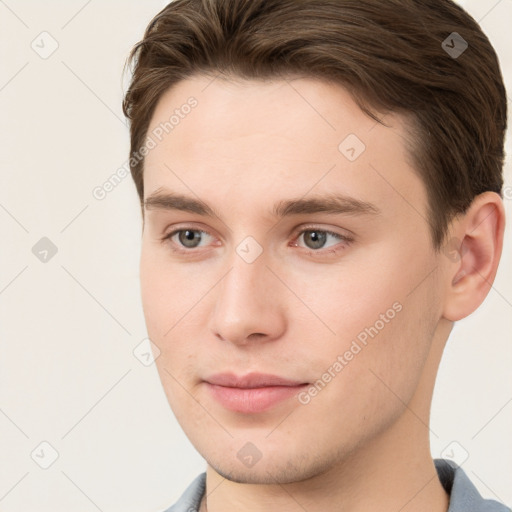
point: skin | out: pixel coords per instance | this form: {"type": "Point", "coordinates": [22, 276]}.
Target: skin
{"type": "Point", "coordinates": [362, 443]}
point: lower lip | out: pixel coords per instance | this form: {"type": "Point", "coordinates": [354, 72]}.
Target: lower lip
{"type": "Point", "coordinates": [252, 400]}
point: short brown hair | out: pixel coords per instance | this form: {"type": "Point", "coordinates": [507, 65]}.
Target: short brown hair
{"type": "Point", "coordinates": [387, 54]}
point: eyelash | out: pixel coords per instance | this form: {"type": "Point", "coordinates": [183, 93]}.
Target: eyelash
{"type": "Point", "coordinates": [343, 238]}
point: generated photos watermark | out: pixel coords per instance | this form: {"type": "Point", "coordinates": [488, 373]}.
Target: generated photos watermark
{"type": "Point", "coordinates": [100, 192]}
{"type": "Point", "coordinates": [357, 345]}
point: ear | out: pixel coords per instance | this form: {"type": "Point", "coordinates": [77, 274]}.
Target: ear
{"type": "Point", "coordinates": [473, 254]}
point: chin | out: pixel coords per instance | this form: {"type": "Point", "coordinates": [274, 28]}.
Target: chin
{"type": "Point", "coordinates": [273, 471]}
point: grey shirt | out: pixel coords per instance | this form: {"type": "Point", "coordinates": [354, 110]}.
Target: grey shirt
{"type": "Point", "coordinates": [464, 496]}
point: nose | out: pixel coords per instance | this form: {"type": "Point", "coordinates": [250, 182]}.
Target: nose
{"type": "Point", "coordinates": [248, 303]}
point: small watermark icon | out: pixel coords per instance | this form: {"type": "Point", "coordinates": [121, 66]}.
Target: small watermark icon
{"type": "Point", "coordinates": [351, 147]}
{"type": "Point", "coordinates": [44, 250]}
{"type": "Point", "coordinates": [455, 452]}
{"type": "Point", "coordinates": [454, 45]}
{"type": "Point", "coordinates": [44, 455]}
{"type": "Point", "coordinates": [44, 45]}
{"type": "Point", "coordinates": [146, 352]}
{"type": "Point", "coordinates": [454, 249]}
{"type": "Point", "coordinates": [249, 455]}
{"type": "Point", "coordinates": [249, 249]}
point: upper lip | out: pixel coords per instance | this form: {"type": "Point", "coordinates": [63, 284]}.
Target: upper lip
{"type": "Point", "coordinates": [251, 380]}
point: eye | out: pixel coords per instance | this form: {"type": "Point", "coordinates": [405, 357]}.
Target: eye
{"type": "Point", "coordinates": [316, 239]}
{"type": "Point", "coordinates": [186, 238]}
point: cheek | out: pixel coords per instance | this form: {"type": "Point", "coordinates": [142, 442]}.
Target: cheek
{"type": "Point", "coordinates": [173, 300]}
{"type": "Point", "coordinates": [366, 388]}
{"type": "Point", "coordinates": [391, 362]}
{"type": "Point", "coordinates": [167, 291]}
{"type": "Point", "coordinates": [340, 302]}
{"type": "Point", "coordinates": [155, 298]}
{"type": "Point", "coordinates": [382, 327]}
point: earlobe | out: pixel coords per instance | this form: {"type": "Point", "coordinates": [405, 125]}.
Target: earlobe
{"type": "Point", "coordinates": [474, 253]}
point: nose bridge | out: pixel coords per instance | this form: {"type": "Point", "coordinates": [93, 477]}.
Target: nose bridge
{"type": "Point", "coordinates": [245, 301]}
{"type": "Point", "coordinates": [243, 286]}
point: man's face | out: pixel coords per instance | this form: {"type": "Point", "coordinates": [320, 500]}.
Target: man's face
{"type": "Point", "coordinates": [343, 304]}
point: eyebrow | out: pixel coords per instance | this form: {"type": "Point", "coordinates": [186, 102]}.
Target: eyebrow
{"type": "Point", "coordinates": [331, 203]}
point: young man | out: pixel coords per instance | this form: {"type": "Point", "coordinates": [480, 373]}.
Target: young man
{"type": "Point", "coordinates": [320, 187]}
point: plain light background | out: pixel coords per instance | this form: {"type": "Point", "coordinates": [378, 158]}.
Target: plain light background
{"type": "Point", "coordinates": [69, 326]}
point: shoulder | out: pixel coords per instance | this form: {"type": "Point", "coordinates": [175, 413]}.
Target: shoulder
{"type": "Point", "coordinates": [464, 497]}
{"type": "Point", "coordinates": [189, 501]}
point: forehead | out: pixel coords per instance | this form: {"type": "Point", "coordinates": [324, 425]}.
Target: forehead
{"type": "Point", "coordinates": [311, 115]}
{"type": "Point", "coordinates": [272, 136]}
